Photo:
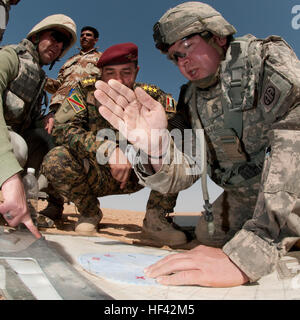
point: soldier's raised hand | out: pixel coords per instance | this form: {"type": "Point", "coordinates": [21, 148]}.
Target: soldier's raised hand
{"type": "Point", "coordinates": [139, 117]}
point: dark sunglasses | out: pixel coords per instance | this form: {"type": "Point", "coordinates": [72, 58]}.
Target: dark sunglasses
{"type": "Point", "coordinates": [60, 37]}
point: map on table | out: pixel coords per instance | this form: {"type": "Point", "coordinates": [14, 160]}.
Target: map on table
{"type": "Point", "coordinates": [120, 267]}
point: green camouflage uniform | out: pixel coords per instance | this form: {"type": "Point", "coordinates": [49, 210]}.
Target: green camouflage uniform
{"type": "Point", "coordinates": [76, 135]}
{"type": "Point", "coordinates": [251, 120]}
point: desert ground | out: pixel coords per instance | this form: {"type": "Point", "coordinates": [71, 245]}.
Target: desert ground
{"type": "Point", "coordinates": [122, 225]}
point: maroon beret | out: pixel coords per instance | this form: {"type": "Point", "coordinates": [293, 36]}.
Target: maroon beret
{"type": "Point", "coordinates": [119, 54]}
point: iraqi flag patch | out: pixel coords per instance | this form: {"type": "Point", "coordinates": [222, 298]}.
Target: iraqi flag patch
{"type": "Point", "coordinates": [170, 104]}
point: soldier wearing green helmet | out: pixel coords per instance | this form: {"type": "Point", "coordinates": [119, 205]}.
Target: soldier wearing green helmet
{"type": "Point", "coordinates": [23, 140]}
{"type": "Point", "coordinates": [187, 19]}
{"type": "Point", "coordinates": [243, 95]}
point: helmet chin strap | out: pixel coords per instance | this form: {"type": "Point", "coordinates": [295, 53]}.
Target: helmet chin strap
{"type": "Point", "coordinates": [53, 63]}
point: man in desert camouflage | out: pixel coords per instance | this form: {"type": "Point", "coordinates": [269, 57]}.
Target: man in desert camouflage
{"type": "Point", "coordinates": [76, 171]}
{"type": "Point", "coordinates": [23, 139]}
{"type": "Point", "coordinates": [243, 94]}
{"type": "Point", "coordinates": [5, 6]}
{"type": "Point", "coordinates": [76, 68]}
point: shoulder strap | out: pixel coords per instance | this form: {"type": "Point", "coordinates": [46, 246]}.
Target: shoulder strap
{"type": "Point", "coordinates": [236, 66]}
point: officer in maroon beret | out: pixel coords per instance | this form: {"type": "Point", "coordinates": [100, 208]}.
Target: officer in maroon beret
{"type": "Point", "coordinates": [93, 178]}
{"type": "Point", "coordinates": [120, 62]}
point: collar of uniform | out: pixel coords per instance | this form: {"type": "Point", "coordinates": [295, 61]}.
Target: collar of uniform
{"type": "Point", "coordinates": [87, 52]}
{"type": "Point", "coordinates": [209, 93]}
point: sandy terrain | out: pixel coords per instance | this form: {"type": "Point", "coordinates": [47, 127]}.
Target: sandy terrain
{"type": "Point", "coordinates": [122, 225]}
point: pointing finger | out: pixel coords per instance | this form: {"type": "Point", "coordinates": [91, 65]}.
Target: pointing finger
{"type": "Point", "coordinates": [32, 228]}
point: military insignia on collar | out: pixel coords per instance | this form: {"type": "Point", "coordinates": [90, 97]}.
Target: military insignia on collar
{"type": "Point", "coordinates": [87, 82]}
{"type": "Point", "coordinates": [170, 104]}
{"type": "Point", "coordinates": [75, 101]}
{"type": "Point", "coordinates": [270, 95]}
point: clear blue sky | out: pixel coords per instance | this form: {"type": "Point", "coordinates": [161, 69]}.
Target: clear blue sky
{"type": "Point", "coordinates": [132, 20]}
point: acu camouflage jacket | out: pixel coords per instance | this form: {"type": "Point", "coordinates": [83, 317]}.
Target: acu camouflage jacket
{"type": "Point", "coordinates": [254, 108]}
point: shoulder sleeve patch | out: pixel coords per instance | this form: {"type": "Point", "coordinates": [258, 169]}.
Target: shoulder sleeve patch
{"type": "Point", "coordinates": [71, 106]}
{"type": "Point", "coordinates": [275, 90]}
{"type": "Point", "coordinates": [75, 100]}
{"type": "Point", "coordinates": [270, 95]}
{"type": "Point", "coordinates": [170, 104]}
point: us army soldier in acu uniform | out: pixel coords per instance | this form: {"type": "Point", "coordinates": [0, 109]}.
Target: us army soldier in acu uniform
{"type": "Point", "coordinates": [245, 94]}
{"type": "Point", "coordinates": [23, 141]}
{"type": "Point", "coordinates": [73, 169]}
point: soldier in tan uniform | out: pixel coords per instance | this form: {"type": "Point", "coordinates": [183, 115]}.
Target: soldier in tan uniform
{"type": "Point", "coordinates": [78, 67]}
{"type": "Point", "coordinates": [23, 140]}
{"type": "Point", "coordinates": [243, 98]}
{"type": "Point", "coordinates": [76, 171]}
{"type": "Point", "coordinates": [4, 14]}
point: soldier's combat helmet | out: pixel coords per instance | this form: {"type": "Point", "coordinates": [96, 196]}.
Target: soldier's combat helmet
{"type": "Point", "coordinates": [186, 19]}
{"type": "Point", "coordinates": [57, 21]}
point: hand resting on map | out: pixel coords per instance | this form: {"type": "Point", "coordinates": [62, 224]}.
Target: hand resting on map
{"type": "Point", "coordinates": [203, 266]}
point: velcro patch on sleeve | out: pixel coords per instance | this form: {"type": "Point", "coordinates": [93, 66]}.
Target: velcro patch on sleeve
{"type": "Point", "coordinates": [76, 102]}
{"type": "Point", "coordinates": [276, 88]}
{"type": "Point", "coordinates": [170, 104]}
{"type": "Point", "coordinates": [270, 95]}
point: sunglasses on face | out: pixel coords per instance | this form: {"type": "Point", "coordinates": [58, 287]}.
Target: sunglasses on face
{"type": "Point", "coordinates": [60, 37]}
